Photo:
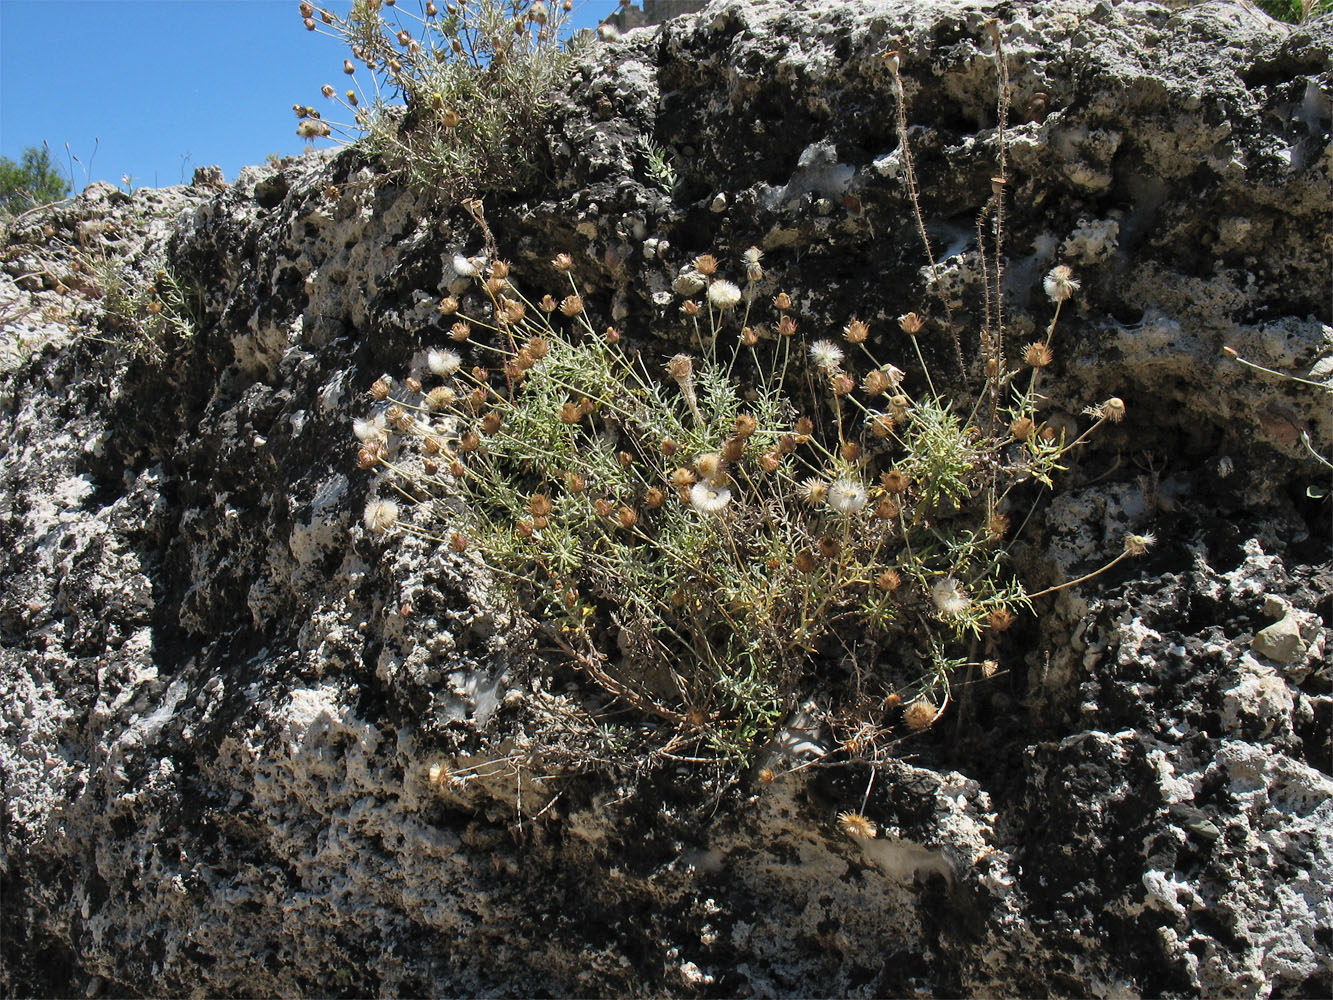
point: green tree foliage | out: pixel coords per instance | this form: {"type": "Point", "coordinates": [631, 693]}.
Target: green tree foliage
{"type": "Point", "coordinates": [32, 181]}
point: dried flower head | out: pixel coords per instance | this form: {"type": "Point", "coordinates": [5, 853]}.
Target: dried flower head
{"type": "Point", "coordinates": [1000, 619]}
{"type": "Point", "coordinates": [910, 323]}
{"type": "Point", "coordinates": [921, 714]}
{"type": "Point", "coordinates": [888, 581]}
{"type": "Point", "coordinates": [563, 262]}
{"type": "Point", "coordinates": [814, 490]}
{"type": "Point", "coordinates": [705, 264]}
{"type": "Point", "coordinates": [1137, 545]}
{"type": "Point", "coordinates": [782, 301]}
{"type": "Point", "coordinates": [786, 326]}
{"type": "Point", "coordinates": [571, 305]}
{"type": "Point", "coordinates": [1023, 428]}
{"type": "Point", "coordinates": [1060, 284]}
{"type": "Point", "coordinates": [1038, 355]}
{"type": "Point", "coordinates": [857, 826]}
{"type": "Point", "coordinates": [680, 367]}
{"type": "Point", "coordinates": [856, 332]}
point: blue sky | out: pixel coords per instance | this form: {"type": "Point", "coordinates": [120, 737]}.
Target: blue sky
{"type": "Point", "coordinates": [151, 89]}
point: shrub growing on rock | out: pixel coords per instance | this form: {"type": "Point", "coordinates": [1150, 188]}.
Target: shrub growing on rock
{"type": "Point", "coordinates": [475, 80]}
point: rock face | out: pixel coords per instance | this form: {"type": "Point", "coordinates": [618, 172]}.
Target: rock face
{"type": "Point", "coordinates": [222, 698]}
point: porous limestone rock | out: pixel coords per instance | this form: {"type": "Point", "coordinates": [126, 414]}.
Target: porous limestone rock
{"type": "Point", "coordinates": [251, 748]}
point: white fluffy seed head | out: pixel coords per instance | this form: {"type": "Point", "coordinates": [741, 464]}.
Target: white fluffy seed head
{"type": "Point", "coordinates": [708, 497]}
{"type": "Point", "coordinates": [1060, 283]}
{"type": "Point", "coordinates": [443, 363]}
{"type": "Point", "coordinates": [381, 515]}
{"type": "Point", "coordinates": [826, 355]}
{"type": "Point", "coordinates": [847, 496]}
{"type": "Point", "coordinates": [950, 598]}
{"type": "Point", "coordinates": [723, 295]}
{"type": "Point", "coordinates": [374, 429]}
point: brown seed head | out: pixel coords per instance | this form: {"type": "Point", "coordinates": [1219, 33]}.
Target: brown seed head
{"type": "Point", "coordinates": [1000, 619]}
{"type": "Point", "coordinates": [829, 547]}
{"type": "Point", "coordinates": [653, 498]}
{"type": "Point", "coordinates": [668, 447]}
{"type": "Point", "coordinates": [850, 451]}
{"type": "Point", "coordinates": [708, 465]}
{"type": "Point", "coordinates": [571, 305]}
{"type": "Point", "coordinates": [603, 507]}
{"type": "Point", "coordinates": [448, 306]}
{"type": "Point", "coordinates": [612, 335]}
{"type": "Point", "coordinates": [379, 390]}
{"type": "Point", "coordinates": [748, 337]}
{"type": "Point", "coordinates": [920, 714]}
{"type": "Point", "coordinates": [683, 478]}
{"type": "Point", "coordinates": [856, 332]}
{"type": "Point", "coordinates": [733, 448]}
{"type": "Point", "coordinates": [787, 444]}
{"type": "Point", "coordinates": [539, 505]}
{"type": "Point", "coordinates": [881, 426]}
{"type": "Point", "coordinates": [1038, 355]}
{"type": "Point", "coordinates": [369, 455]}
{"type": "Point", "coordinates": [782, 301]}
{"type": "Point", "coordinates": [627, 517]}
{"type": "Point", "coordinates": [886, 508]}
{"type": "Point", "coordinates": [470, 441]}
{"type": "Point", "coordinates": [548, 304]}
{"type": "Point", "coordinates": [997, 526]}
{"type": "Point", "coordinates": [804, 561]}
{"type": "Point", "coordinates": [458, 542]}
{"type": "Point", "coordinates": [769, 461]}
{"type": "Point", "coordinates": [910, 323]}
{"type": "Point", "coordinates": [804, 427]}
{"type": "Point", "coordinates": [876, 383]}
{"type": "Point", "coordinates": [490, 423]}
{"type": "Point", "coordinates": [706, 264]}
{"type": "Point", "coordinates": [680, 368]}
{"type": "Point", "coordinates": [460, 331]}
{"type": "Point", "coordinates": [575, 483]}
{"type": "Point", "coordinates": [895, 481]}
{"type": "Point", "coordinates": [888, 581]}
{"type": "Point", "coordinates": [842, 384]}
{"type": "Point", "coordinates": [786, 326]}
{"type": "Point", "coordinates": [563, 262]}
{"type": "Point", "coordinates": [1022, 428]}
{"type": "Point", "coordinates": [746, 425]}
{"type": "Point", "coordinates": [689, 307]}
{"type": "Point", "coordinates": [570, 413]}
{"type": "Point", "coordinates": [413, 384]}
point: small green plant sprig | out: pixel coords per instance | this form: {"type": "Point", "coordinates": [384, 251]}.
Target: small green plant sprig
{"type": "Point", "coordinates": [475, 76]}
{"type": "Point", "coordinates": [683, 532]}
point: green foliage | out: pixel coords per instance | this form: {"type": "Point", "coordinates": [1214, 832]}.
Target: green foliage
{"type": "Point", "coordinates": [32, 181]}
{"type": "Point", "coordinates": [687, 536]}
{"type": "Point", "coordinates": [474, 81]}
{"type": "Point", "coordinates": [147, 320]}
{"type": "Point", "coordinates": [703, 538]}
{"type": "Point", "coordinates": [1295, 11]}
